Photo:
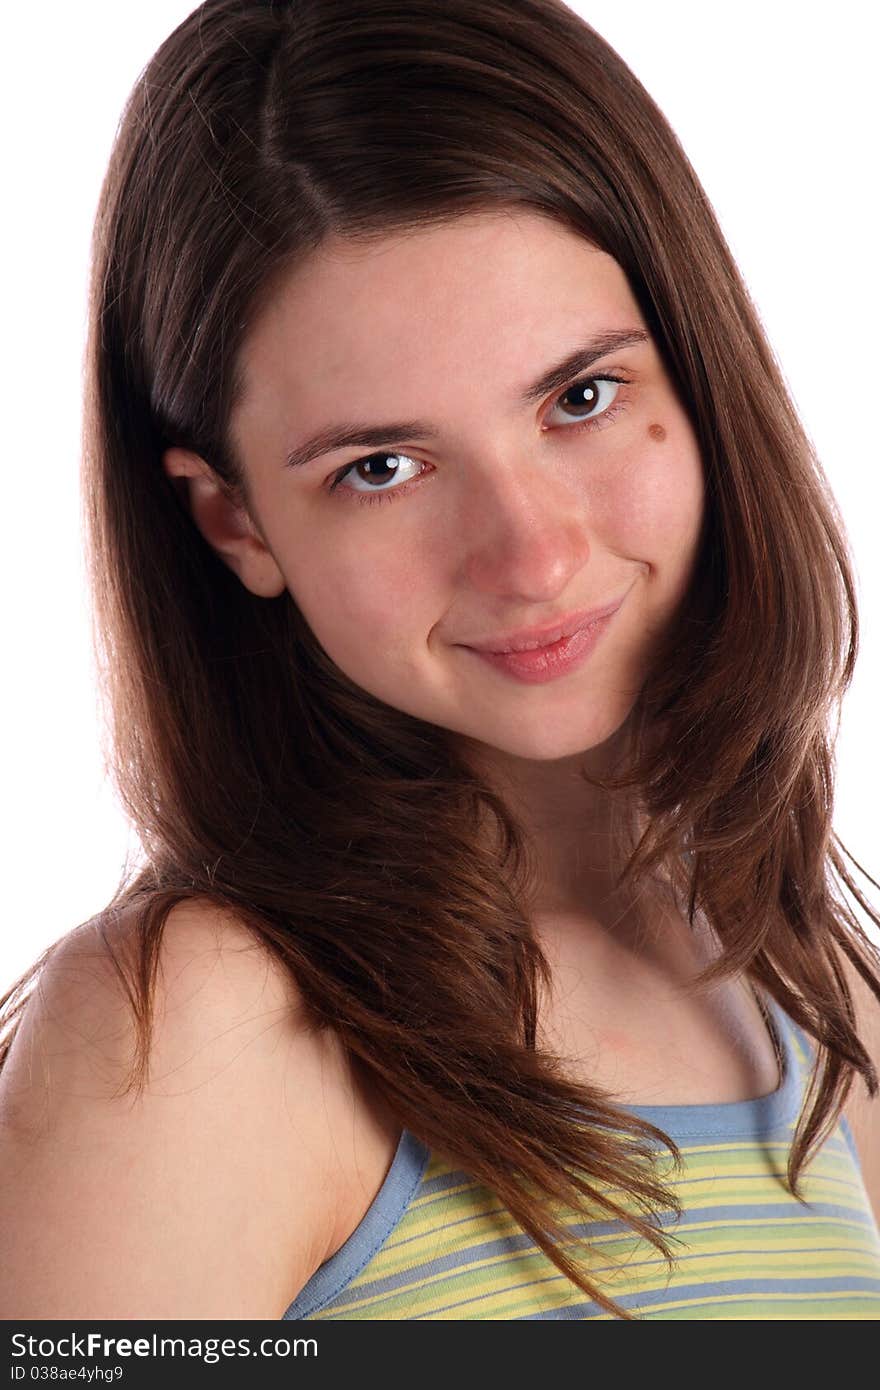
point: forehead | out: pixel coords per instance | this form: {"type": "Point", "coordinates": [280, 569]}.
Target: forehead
{"type": "Point", "coordinates": [506, 289]}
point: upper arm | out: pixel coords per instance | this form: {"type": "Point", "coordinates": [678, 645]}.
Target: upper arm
{"type": "Point", "coordinates": [206, 1196]}
{"type": "Point", "coordinates": [863, 1112]}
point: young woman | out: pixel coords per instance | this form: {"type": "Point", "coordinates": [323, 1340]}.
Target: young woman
{"type": "Point", "coordinates": [473, 613]}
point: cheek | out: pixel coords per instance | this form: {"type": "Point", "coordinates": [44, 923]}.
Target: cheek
{"type": "Point", "coordinates": [362, 601]}
{"type": "Point", "coordinates": [653, 507]}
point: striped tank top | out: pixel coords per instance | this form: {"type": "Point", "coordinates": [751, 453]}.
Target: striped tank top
{"type": "Point", "coordinates": [435, 1243]}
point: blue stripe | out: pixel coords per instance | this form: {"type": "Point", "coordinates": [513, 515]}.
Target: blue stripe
{"type": "Point", "coordinates": [440, 1271]}
{"type": "Point", "coordinates": [520, 1246]}
{"type": "Point", "coordinates": [443, 1183]}
{"type": "Point", "coordinates": [492, 1293]}
{"type": "Point", "coordinates": [700, 1293]}
{"type": "Point", "coordinates": [346, 1264]}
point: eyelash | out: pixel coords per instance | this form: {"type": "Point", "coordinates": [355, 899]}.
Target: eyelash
{"type": "Point", "coordinates": [595, 422]}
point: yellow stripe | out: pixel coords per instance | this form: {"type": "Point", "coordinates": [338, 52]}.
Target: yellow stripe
{"type": "Point", "coordinates": [829, 1296]}
{"type": "Point", "coordinates": [479, 1280]}
{"type": "Point", "coordinates": [415, 1246]}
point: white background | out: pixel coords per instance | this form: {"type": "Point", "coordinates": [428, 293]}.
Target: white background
{"type": "Point", "coordinates": [776, 106]}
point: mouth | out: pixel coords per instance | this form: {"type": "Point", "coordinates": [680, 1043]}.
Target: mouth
{"type": "Point", "coordinates": [537, 665]}
{"type": "Point", "coordinates": [541, 638]}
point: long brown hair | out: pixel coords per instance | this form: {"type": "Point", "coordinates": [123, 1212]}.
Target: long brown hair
{"type": "Point", "coordinates": [259, 777]}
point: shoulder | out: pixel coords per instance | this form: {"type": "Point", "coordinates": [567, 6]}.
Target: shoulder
{"type": "Point", "coordinates": [221, 1005]}
{"type": "Point", "coordinates": [210, 1193]}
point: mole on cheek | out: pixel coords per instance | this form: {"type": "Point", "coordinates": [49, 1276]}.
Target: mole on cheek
{"type": "Point", "coordinates": [657, 432]}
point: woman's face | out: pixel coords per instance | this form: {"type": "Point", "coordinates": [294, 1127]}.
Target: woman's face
{"type": "Point", "coordinates": [483, 507]}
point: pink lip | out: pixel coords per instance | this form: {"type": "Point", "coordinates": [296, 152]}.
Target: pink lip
{"type": "Point", "coordinates": [532, 638]}
{"type": "Point", "coordinates": [542, 664]}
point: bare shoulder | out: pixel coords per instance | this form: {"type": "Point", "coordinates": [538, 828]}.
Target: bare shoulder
{"type": "Point", "coordinates": [210, 1193]}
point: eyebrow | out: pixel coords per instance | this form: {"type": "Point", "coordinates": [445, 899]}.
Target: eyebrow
{"type": "Point", "coordinates": [370, 436]}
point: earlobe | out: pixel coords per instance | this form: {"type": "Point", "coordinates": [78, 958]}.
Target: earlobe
{"type": "Point", "coordinates": [224, 523]}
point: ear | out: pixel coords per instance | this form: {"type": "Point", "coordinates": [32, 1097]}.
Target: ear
{"type": "Point", "coordinates": [226, 525]}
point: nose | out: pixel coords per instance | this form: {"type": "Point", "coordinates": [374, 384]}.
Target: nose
{"type": "Point", "coordinates": [525, 534]}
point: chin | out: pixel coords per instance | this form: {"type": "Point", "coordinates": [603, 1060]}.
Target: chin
{"type": "Point", "coordinates": [548, 742]}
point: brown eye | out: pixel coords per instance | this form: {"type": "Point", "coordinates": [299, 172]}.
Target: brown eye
{"type": "Point", "coordinates": [369, 475]}
{"type": "Point", "coordinates": [584, 396]}
{"type": "Point", "coordinates": [589, 397]}
{"type": "Point", "coordinates": [374, 469]}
